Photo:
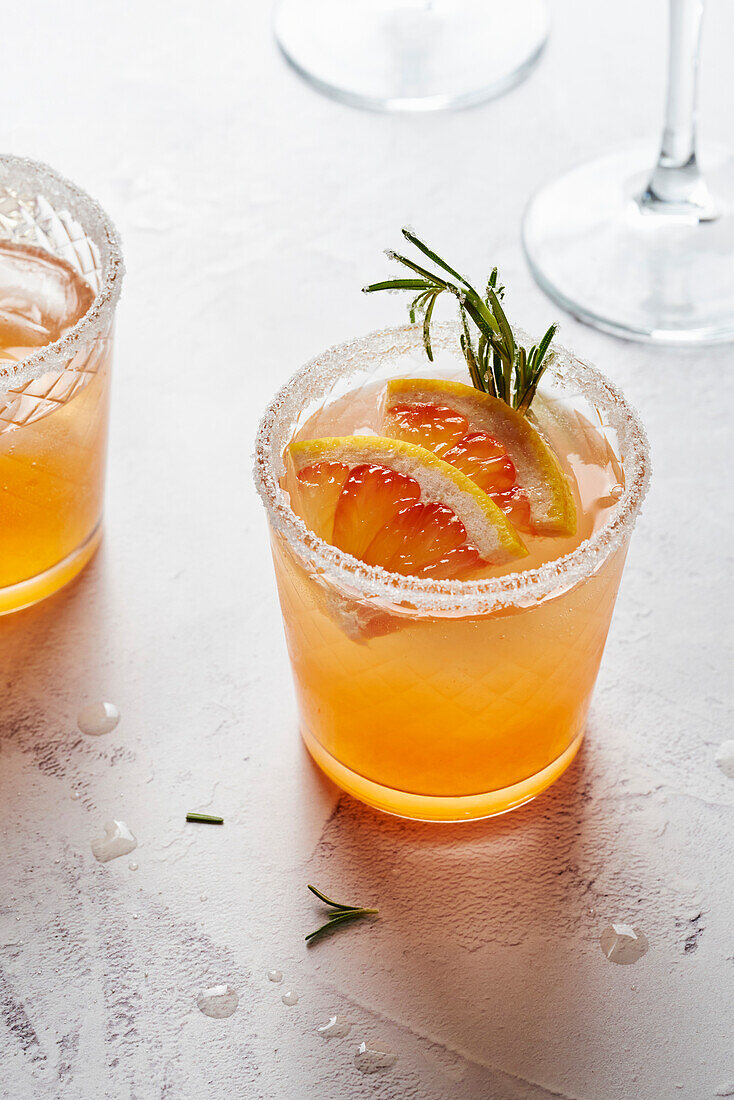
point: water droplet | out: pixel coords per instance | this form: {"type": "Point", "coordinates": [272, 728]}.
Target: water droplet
{"type": "Point", "coordinates": [371, 1057]}
{"type": "Point", "coordinates": [726, 1090]}
{"type": "Point", "coordinates": [725, 758]}
{"type": "Point", "coordinates": [218, 1002]}
{"type": "Point", "coordinates": [75, 796]}
{"type": "Point", "coordinates": [290, 997]}
{"type": "Point", "coordinates": [133, 865]}
{"type": "Point", "coordinates": [135, 916]}
{"type": "Point", "coordinates": [117, 841]}
{"type": "Point", "coordinates": [98, 718]}
{"type": "Point", "coordinates": [203, 897]}
{"type": "Point", "coordinates": [337, 1028]}
{"type": "Point", "coordinates": [275, 975]}
{"type": "Point", "coordinates": [616, 491]}
{"type": "Point", "coordinates": [623, 944]}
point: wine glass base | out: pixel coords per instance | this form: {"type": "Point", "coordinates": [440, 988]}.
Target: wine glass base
{"type": "Point", "coordinates": [412, 55]}
{"type": "Point", "coordinates": [646, 275]}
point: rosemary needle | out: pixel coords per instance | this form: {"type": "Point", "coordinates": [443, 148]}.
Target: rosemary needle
{"type": "Point", "coordinates": [341, 918]}
{"type": "Point", "coordinates": [328, 901]}
{"type": "Point", "coordinates": [205, 819]}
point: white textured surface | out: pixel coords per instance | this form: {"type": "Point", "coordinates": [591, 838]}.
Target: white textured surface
{"type": "Point", "coordinates": [251, 212]}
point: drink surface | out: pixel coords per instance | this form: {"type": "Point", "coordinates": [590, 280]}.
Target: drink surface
{"type": "Point", "coordinates": [588, 462]}
{"type": "Point", "coordinates": [53, 428]}
{"type": "Point", "coordinates": [41, 298]}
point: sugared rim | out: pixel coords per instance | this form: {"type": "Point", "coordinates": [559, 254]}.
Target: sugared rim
{"type": "Point", "coordinates": [22, 173]}
{"type": "Point", "coordinates": [451, 597]}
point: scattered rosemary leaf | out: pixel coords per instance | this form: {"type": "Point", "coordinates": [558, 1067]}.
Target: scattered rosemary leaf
{"type": "Point", "coordinates": [205, 819]}
{"type": "Point", "coordinates": [342, 914]}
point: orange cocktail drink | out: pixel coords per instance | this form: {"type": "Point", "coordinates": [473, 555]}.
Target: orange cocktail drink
{"type": "Point", "coordinates": [60, 276]}
{"type": "Point", "coordinates": [440, 698]}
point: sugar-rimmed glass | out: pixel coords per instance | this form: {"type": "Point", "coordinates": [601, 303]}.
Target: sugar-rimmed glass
{"type": "Point", "coordinates": [499, 672]}
{"type": "Point", "coordinates": [54, 402]}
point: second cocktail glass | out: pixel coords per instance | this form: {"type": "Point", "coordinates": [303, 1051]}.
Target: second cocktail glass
{"type": "Point", "coordinates": [58, 247]}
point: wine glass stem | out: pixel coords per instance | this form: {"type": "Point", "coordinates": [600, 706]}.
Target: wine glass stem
{"type": "Point", "coordinates": [676, 184]}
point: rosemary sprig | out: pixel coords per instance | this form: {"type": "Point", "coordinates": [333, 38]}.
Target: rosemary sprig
{"type": "Point", "coordinates": [343, 914]}
{"type": "Point", "coordinates": [497, 364]}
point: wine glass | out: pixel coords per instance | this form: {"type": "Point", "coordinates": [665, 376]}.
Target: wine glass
{"type": "Point", "coordinates": [412, 55]}
{"type": "Point", "coordinates": [646, 255]}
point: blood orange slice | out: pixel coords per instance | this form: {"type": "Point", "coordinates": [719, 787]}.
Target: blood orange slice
{"type": "Point", "coordinates": [396, 505]}
{"type": "Point", "coordinates": [495, 446]}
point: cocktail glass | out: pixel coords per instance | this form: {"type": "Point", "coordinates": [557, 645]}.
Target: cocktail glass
{"type": "Point", "coordinates": [445, 700]}
{"type": "Point", "coordinates": [54, 403]}
{"type": "Point", "coordinates": [412, 55]}
{"type": "Point", "coordinates": [641, 251]}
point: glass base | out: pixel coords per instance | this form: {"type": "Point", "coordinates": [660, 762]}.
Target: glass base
{"type": "Point", "coordinates": [636, 272]}
{"type": "Point", "coordinates": [17, 596]}
{"type": "Point", "coordinates": [412, 55]}
{"type": "Point", "coordinates": [420, 807]}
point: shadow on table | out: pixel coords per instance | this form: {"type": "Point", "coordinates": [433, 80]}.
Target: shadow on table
{"type": "Point", "coordinates": [50, 653]}
{"type": "Point", "coordinates": [479, 922]}
{"type": "Point", "coordinates": [511, 873]}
